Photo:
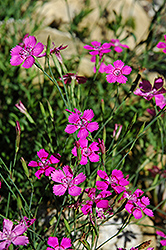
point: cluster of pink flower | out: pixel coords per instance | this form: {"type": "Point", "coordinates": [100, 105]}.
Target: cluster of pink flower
{"type": "Point", "coordinates": [116, 71]}
{"type": "Point", "coordinates": [83, 123]}
{"type": "Point", "coordinates": [65, 179]}
{"type": "Point", "coordinates": [12, 234]}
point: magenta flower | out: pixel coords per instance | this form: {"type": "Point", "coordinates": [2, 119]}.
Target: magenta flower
{"type": "Point", "coordinates": [81, 122]}
{"type": "Point", "coordinates": [135, 204]}
{"type": "Point", "coordinates": [27, 222]}
{"type": "Point", "coordinates": [98, 49]}
{"type": "Point", "coordinates": [116, 73]}
{"type": "Point", "coordinates": [117, 45]}
{"type": "Point", "coordinates": [156, 170]}
{"type": "Point", "coordinates": [56, 51]}
{"type": "Point", "coordinates": [65, 181]}
{"type": "Point", "coordinates": [147, 91]}
{"type": "Point", "coordinates": [162, 45]}
{"type": "Point", "coordinates": [25, 52]}
{"type": "Point", "coordinates": [44, 163]}
{"type": "Point", "coordinates": [117, 131]}
{"type": "Point", "coordinates": [53, 242]}
{"type": "Point", "coordinates": [163, 242]}
{"type": "Point", "coordinates": [99, 200]}
{"type": "Point", "coordinates": [12, 234]}
{"type": "Point", "coordinates": [102, 146]}
{"type": "Point", "coordinates": [117, 181]}
{"type": "Point", "coordinates": [21, 107]}
{"type": "Point", "coordinates": [91, 152]}
{"type": "Point", "coordinates": [69, 76]}
{"type": "Point", "coordinates": [160, 101]}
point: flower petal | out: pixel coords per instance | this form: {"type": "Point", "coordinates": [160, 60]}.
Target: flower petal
{"type": "Point", "coordinates": [20, 240]}
{"type": "Point", "coordinates": [37, 49]}
{"type": "Point", "coordinates": [118, 64]}
{"type": "Point", "coordinates": [74, 190]}
{"type": "Point", "coordinates": [126, 70]}
{"type": "Point", "coordinates": [42, 154]}
{"type": "Point", "coordinates": [70, 129]}
{"type": "Point", "coordinates": [53, 242]}
{"type": "Point", "coordinates": [92, 126]}
{"type": "Point", "coordinates": [57, 176]}
{"type": "Point", "coordinates": [29, 61]}
{"type": "Point", "coordinates": [59, 189]}
{"type": "Point", "coordinates": [65, 243]}
{"type": "Point", "coordinates": [79, 179]}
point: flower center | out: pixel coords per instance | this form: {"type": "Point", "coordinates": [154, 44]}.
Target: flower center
{"type": "Point", "coordinates": [117, 72]}
{"type": "Point", "coordinates": [26, 52]}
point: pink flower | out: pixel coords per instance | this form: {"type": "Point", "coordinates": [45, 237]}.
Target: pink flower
{"type": "Point", "coordinates": [101, 146]}
{"type": "Point", "coordinates": [117, 131]}
{"type": "Point", "coordinates": [56, 51]}
{"type": "Point", "coordinates": [116, 73]}
{"type": "Point", "coordinates": [25, 52]}
{"type": "Point", "coordinates": [44, 163]}
{"type": "Point", "coordinates": [160, 101]}
{"type": "Point", "coordinates": [12, 234]}
{"type": "Point", "coordinates": [117, 45]}
{"type": "Point", "coordinates": [81, 122]}
{"type": "Point", "coordinates": [27, 222]}
{"type": "Point", "coordinates": [53, 242]}
{"type": "Point", "coordinates": [147, 91]}
{"type": "Point", "coordinates": [117, 181]}
{"type": "Point", "coordinates": [163, 242]}
{"type": "Point", "coordinates": [21, 107]}
{"type": "Point", "coordinates": [69, 76]}
{"type": "Point", "coordinates": [98, 49]}
{"type": "Point", "coordinates": [156, 170]}
{"type": "Point", "coordinates": [91, 152]}
{"type": "Point", "coordinates": [99, 200]}
{"type": "Point", "coordinates": [136, 204]}
{"type": "Point", "coordinates": [66, 181]}
{"type": "Point", "coordinates": [162, 45]}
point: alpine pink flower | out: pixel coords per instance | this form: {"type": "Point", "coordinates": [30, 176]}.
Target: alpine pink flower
{"type": "Point", "coordinates": [44, 163]}
{"type": "Point", "coordinates": [98, 48]}
{"type": "Point", "coordinates": [162, 45]}
{"type": "Point", "coordinates": [117, 131]}
{"type": "Point", "coordinates": [116, 73]}
{"type": "Point", "coordinates": [91, 152]}
{"type": "Point", "coordinates": [21, 107]}
{"type": "Point", "coordinates": [56, 51]}
{"type": "Point", "coordinates": [136, 204]}
{"type": "Point", "coordinates": [163, 242]}
{"type": "Point", "coordinates": [147, 91]}
{"type": "Point", "coordinates": [99, 200]}
{"type": "Point", "coordinates": [53, 242]}
{"type": "Point", "coordinates": [65, 181]}
{"type": "Point", "coordinates": [69, 76]}
{"type": "Point", "coordinates": [12, 234]}
{"type": "Point", "coordinates": [25, 52]}
{"type": "Point", "coordinates": [117, 181]}
{"type": "Point", "coordinates": [102, 146]}
{"type": "Point", "coordinates": [117, 45]}
{"type": "Point", "coordinates": [27, 222]}
{"type": "Point", "coordinates": [81, 122]}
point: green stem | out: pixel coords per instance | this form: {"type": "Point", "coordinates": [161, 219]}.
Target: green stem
{"type": "Point", "coordinates": [59, 216]}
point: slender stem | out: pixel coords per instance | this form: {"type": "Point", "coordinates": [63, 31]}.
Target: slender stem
{"type": "Point", "coordinates": [59, 216]}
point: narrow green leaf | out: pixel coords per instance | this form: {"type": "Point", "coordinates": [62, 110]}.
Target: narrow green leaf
{"type": "Point", "coordinates": [67, 225]}
{"type": "Point", "coordinates": [43, 112]}
{"type": "Point", "coordinates": [25, 167]}
{"type": "Point", "coordinates": [48, 46]}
